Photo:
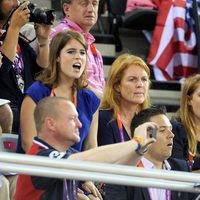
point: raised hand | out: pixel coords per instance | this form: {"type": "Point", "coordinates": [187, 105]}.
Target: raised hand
{"type": "Point", "coordinates": [142, 134]}
{"type": "Point", "coordinates": [20, 16]}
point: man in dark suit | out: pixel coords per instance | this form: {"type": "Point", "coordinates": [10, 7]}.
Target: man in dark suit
{"type": "Point", "coordinates": [157, 157]}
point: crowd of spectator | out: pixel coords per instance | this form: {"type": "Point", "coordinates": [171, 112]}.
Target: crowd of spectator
{"type": "Point", "coordinates": [56, 99]}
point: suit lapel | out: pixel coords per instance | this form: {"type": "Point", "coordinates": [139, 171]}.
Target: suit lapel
{"type": "Point", "coordinates": [145, 194]}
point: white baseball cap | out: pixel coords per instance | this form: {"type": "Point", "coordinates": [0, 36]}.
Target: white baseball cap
{"type": "Point", "coordinates": [4, 101]}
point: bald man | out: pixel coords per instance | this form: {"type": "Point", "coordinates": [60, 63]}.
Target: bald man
{"type": "Point", "coordinates": [58, 127]}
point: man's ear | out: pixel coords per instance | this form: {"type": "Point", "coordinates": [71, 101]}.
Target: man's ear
{"type": "Point", "coordinates": [50, 123]}
{"type": "Point", "coordinates": [66, 9]}
{"type": "Point", "coordinates": [58, 59]}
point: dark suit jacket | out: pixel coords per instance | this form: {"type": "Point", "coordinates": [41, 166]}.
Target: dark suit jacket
{"type": "Point", "coordinates": [115, 192]}
{"type": "Point", "coordinates": [8, 82]}
{"type": "Point", "coordinates": [180, 145]}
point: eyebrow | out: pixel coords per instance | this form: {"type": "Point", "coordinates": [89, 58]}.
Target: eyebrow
{"type": "Point", "coordinates": [72, 48]}
{"type": "Point", "coordinates": [80, 1]}
{"type": "Point", "coordinates": [164, 126]}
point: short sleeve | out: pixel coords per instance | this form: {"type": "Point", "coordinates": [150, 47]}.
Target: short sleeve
{"type": "Point", "coordinates": [90, 100]}
{"type": "Point", "coordinates": [38, 91]}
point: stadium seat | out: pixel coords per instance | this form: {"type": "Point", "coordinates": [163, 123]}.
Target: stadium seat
{"type": "Point", "coordinates": [166, 93]}
{"type": "Point", "coordinates": [140, 19]}
{"type": "Point", "coordinates": [8, 142]}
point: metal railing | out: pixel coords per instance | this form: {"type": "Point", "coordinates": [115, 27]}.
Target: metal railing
{"type": "Point", "coordinates": [108, 173]}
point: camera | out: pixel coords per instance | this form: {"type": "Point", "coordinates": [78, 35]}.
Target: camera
{"type": "Point", "coordinates": [153, 133]}
{"type": "Point", "coordinates": [38, 15]}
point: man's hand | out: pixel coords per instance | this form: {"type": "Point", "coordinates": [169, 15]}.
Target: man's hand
{"type": "Point", "coordinates": [142, 133]}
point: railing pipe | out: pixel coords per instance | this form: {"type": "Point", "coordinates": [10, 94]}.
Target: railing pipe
{"type": "Point", "coordinates": [99, 167]}
{"type": "Point", "coordinates": [54, 172]}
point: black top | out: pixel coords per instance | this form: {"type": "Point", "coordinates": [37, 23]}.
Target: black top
{"type": "Point", "coordinates": [180, 146]}
{"type": "Point", "coordinates": [108, 130]}
{"type": "Point", "coordinates": [8, 83]}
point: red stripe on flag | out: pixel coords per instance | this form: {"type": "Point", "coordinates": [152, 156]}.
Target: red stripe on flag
{"type": "Point", "coordinates": [182, 42]}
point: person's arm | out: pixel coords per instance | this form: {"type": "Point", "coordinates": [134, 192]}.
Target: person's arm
{"type": "Point", "coordinates": [121, 153]}
{"type": "Point", "coordinates": [91, 139]}
{"type": "Point", "coordinates": [196, 171]}
{"type": "Point", "coordinates": [42, 32]}
{"type": "Point", "coordinates": [97, 92]}
{"type": "Point", "coordinates": [27, 124]}
{"type": "Point", "coordinates": [18, 19]}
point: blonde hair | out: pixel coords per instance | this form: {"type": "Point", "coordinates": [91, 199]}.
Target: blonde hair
{"type": "Point", "coordinates": [111, 97]}
{"type": "Point", "coordinates": [187, 114]}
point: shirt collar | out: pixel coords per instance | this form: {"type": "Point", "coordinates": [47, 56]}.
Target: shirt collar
{"type": "Point", "coordinates": [88, 37]}
{"type": "Point", "coordinates": [149, 165]}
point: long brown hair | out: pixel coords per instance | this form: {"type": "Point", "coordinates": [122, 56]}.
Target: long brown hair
{"type": "Point", "coordinates": [187, 114]}
{"type": "Point", "coordinates": [111, 97]}
{"type": "Point", "coordinates": [50, 75]}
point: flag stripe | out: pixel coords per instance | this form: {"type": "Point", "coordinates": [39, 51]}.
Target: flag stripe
{"type": "Point", "coordinates": [174, 42]}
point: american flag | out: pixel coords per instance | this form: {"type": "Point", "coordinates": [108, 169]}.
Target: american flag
{"type": "Point", "coordinates": [173, 53]}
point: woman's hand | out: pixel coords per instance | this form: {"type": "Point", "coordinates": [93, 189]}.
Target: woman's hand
{"type": "Point", "coordinates": [91, 188]}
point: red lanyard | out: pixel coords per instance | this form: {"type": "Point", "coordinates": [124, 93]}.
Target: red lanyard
{"type": "Point", "coordinates": [94, 53]}
{"type": "Point", "coordinates": [167, 192]}
{"type": "Point", "coordinates": [119, 123]}
{"type": "Point", "coordinates": [74, 99]}
{"type": "Point", "coordinates": [190, 161]}
{"type": "Point", "coordinates": [140, 164]}
{"type": "Point", "coordinates": [93, 49]}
